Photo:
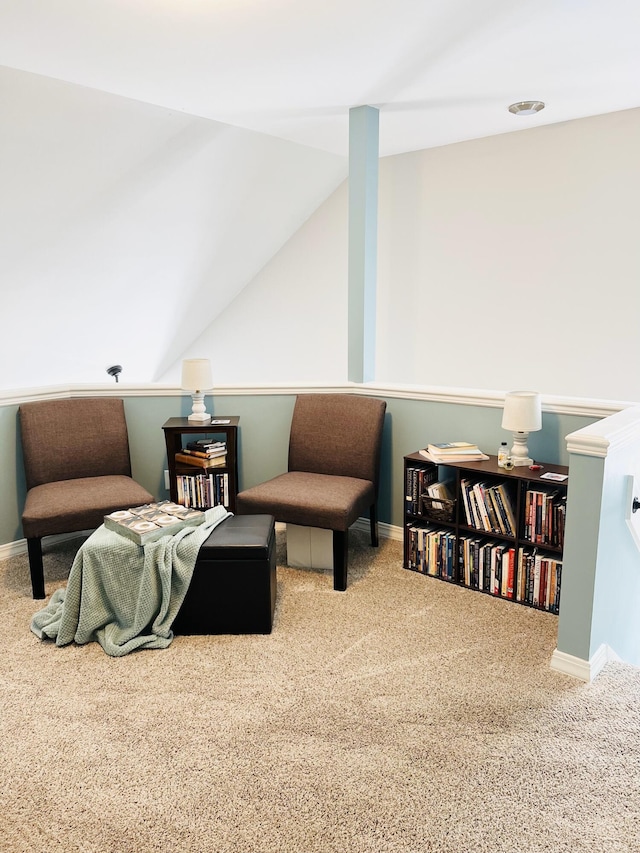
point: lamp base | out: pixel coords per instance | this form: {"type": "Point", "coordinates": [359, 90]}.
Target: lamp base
{"type": "Point", "coordinates": [520, 461]}
{"type": "Point", "coordinates": [520, 452]}
{"type": "Point", "coordinates": [198, 412]}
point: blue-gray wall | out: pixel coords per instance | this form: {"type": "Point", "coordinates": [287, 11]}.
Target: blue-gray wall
{"type": "Point", "coordinates": [263, 441]}
{"type": "Point", "coordinates": [601, 579]}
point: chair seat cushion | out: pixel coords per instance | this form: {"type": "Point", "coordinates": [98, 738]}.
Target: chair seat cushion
{"type": "Point", "coordinates": [69, 505]}
{"type": "Point", "coordinates": [312, 500]}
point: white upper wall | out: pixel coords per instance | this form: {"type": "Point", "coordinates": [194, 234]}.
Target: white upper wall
{"type": "Point", "coordinates": [290, 323]}
{"type": "Point", "coordinates": [506, 262]}
{"type": "Point", "coordinates": [126, 228]}
{"type": "Point", "coordinates": [136, 235]}
{"type": "Point", "coordinates": [514, 262]}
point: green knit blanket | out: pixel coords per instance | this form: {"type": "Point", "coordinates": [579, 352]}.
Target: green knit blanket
{"type": "Point", "coordinates": [123, 595]}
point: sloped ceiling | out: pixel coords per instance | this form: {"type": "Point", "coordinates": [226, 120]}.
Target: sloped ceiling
{"type": "Point", "coordinates": [125, 228]}
{"type": "Point", "coordinates": [155, 154]}
{"type": "Point", "coordinates": [440, 70]}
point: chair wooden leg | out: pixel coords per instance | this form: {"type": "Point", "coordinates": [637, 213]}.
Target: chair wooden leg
{"type": "Point", "coordinates": [340, 559]}
{"type": "Point", "coordinates": [373, 519]}
{"type": "Point", "coordinates": [36, 568]}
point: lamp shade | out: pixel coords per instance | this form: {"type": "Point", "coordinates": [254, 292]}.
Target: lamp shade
{"type": "Point", "coordinates": [196, 374]}
{"type": "Point", "coordinates": [522, 411]}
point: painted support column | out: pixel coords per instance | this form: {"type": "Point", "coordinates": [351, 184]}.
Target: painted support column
{"type": "Point", "coordinates": [363, 241]}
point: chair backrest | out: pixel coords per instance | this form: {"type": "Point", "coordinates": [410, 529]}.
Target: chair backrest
{"type": "Point", "coordinates": [69, 439]}
{"type": "Point", "coordinates": [337, 434]}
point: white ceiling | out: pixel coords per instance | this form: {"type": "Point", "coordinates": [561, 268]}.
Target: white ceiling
{"type": "Point", "coordinates": [441, 71]}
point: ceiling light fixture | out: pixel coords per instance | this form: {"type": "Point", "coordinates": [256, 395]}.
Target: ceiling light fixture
{"type": "Point", "coordinates": [526, 108]}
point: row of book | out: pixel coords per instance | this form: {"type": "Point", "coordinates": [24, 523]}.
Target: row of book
{"type": "Point", "coordinates": [417, 481]}
{"type": "Point", "coordinates": [539, 579]}
{"type": "Point", "coordinates": [527, 575]}
{"type": "Point", "coordinates": [544, 517]}
{"type": "Point", "coordinates": [432, 551]}
{"type": "Point", "coordinates": [488, 507]}
{"type": "Point", "coordinates": [203, 490]}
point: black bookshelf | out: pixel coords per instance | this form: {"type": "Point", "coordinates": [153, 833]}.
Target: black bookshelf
{"type": "Point", "coordinates": [471, 538]}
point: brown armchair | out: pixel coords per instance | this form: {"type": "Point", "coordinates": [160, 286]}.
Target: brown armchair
{"type": "Point", "coordinates": [77, 467]}
{"type": "Point", "coordinates": [333, 471]}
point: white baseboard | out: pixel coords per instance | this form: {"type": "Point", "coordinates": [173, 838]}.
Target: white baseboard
{"type": "Point", "coordinates": [15, 549]}
{"type": "Point", "coordinates": [585, 670]}
{"type": "Point", "coordinates": [19, 547]}
{"type": "Point", "coordinates": [385, 531]}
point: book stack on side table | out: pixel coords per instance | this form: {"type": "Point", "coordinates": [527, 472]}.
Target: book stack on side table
{"type": "Point", "coordinates": [203, 453]}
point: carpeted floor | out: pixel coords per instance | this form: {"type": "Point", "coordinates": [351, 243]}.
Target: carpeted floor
{"type": "Point", "coordinates": [403, 716]}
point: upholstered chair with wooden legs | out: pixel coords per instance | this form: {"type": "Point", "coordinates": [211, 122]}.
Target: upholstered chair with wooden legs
{"type": "Point", "coordinates": [77, 467]}
{"type": "Point", "coordinates": [332, 479]}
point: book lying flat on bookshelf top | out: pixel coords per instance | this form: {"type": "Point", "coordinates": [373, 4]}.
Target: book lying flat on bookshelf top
{"type": "Point", "coordinates": [453, 451]}
{"type": "Point", "coordinates": [149, 522]}
{"type": "Point", "coordinates": [452, 447]}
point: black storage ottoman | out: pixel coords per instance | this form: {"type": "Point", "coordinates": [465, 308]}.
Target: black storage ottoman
{"type": "Point", "coordinates": [233, 588]}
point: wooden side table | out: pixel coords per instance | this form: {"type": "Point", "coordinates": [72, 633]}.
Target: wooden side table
{"type": "Point", "coordinates": [178, 431]}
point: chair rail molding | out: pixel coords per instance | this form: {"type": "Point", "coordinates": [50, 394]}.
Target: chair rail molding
{"type": "Point", "coordinates": [617, 430]}
{"type": "Point", "coordinates": [585, 407]}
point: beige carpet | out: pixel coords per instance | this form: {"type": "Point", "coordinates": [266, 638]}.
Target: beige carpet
{"type": "Point", "coordinates": [403, 715]}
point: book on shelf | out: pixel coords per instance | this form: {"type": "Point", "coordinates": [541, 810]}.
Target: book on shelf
{"type": "Point", "coordinates": [439, 490]}
{"type": "Point", "coordinates": [432, 551]}
{"type": "Point", "coordinates": [452, 447]}
{"type": "Point", "coordinates": [505, 510]}
{"type": "Point", "coordinates": [201, 462]}
{"type": "Point", "coordinates": [501, 525]}
{"type": "Point", "coordinates": [203, 490]}
{"type": "Point", "coordinates": [544, 515]}
{"type": "Point", "coordinates": [417, 480]}
{"type": "Point", "coordinates": [205, 442]}
{"type": "Point", "coordinates": [538, 583]}
{"type": "Point", "coordinates": [202, 454]}
{"type": "Point", "coordinates": [479, 490]}
{"type": "Point", "coordinates": [208, 448]}
{"type": "Point", "coordinates": [149, 522]}
{"type": "Point", "coordinates": [442, 458]}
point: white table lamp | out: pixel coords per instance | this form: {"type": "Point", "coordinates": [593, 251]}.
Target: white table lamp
{"type": "Point", "coordinates": [196, 377]}
{"type": "Point", "coordinates": [522, 414]}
